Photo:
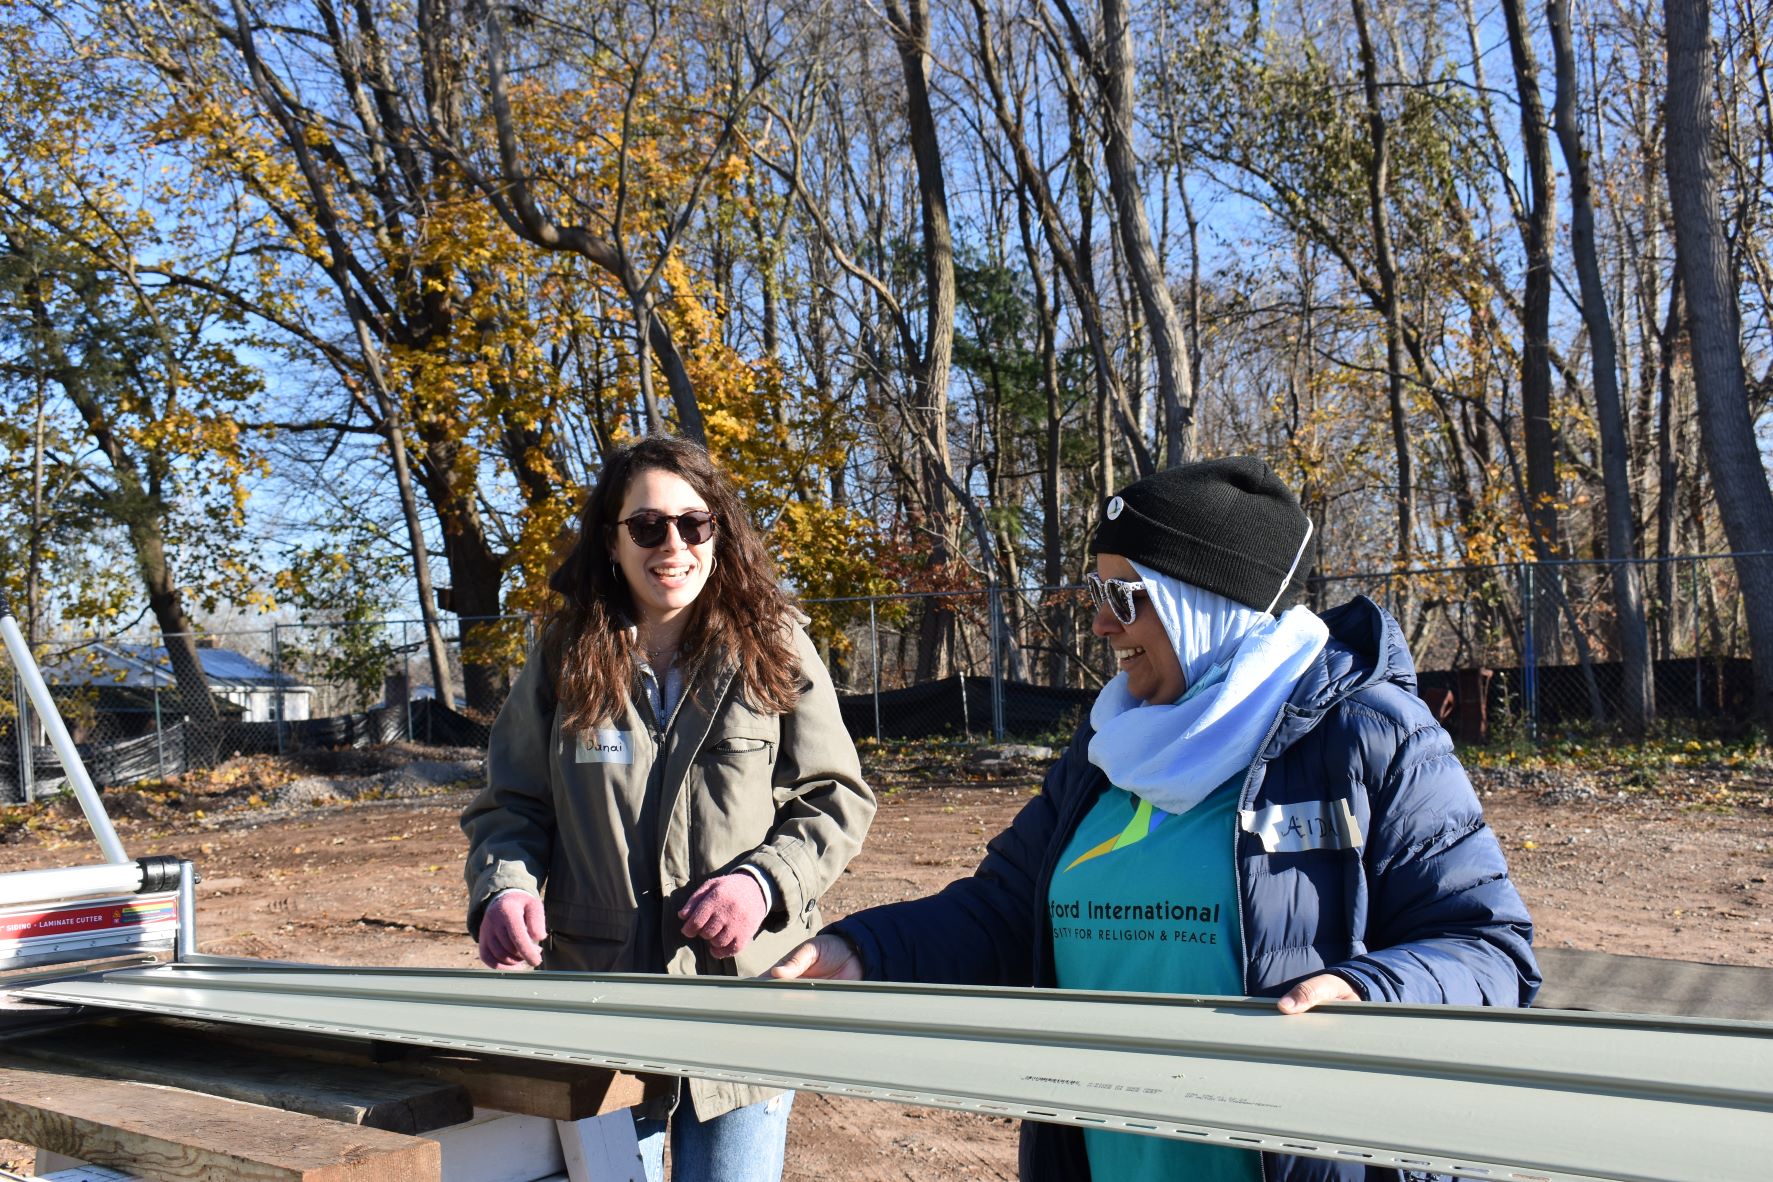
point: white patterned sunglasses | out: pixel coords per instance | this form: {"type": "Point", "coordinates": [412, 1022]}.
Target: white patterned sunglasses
{"type": "Point", "coordinates": [1117, 594]}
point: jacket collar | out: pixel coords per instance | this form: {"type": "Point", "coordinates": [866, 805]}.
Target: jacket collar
{"type": "Point", "coordinates": [1366, 649]}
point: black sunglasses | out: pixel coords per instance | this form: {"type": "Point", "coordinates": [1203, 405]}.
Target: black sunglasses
{"type": "Point", "coordinates": [1117, 594]}
{"type": "Point", "coordinates": [648, 527]}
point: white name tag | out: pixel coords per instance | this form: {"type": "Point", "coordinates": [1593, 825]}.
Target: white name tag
{"type": "Point", "coordinates": [604, 746]}
{"type": "Point", "coordinates": [1309, 825]}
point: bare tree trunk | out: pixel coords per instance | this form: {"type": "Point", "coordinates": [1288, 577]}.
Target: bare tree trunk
{"type": "Point", "coordinates": [1111, 395]}
{"type": "Point", "coordinates": [1714, 324]}
{"type": "Point", "coordinates": [910, 29]}
{"type": "Point", "coordinates": [34, 561]}
{"type": "Point", "coordinates": [1378, 198]}
{"type": "Point", "coordinates": [1667, 468]}
{"type": "Point", "coordinates": [1638, 688]}
{"type": "Point", "coordinates": [1169, 345]}
{"type": "Point", "coordinates": [643, 363]}
{"type": "Point", "coordinates": [1539, 437]}
{"type": "Point", "coordinates": [441, 680]}
{"type": "Point", "coordinates": [1194, 312]}
{"type": "Point", "coordinates": [1058, 640]}
{"type": "Point", "coordinates": [196, 703]}
{"type": "Point", "coordinates": [1539, 228]}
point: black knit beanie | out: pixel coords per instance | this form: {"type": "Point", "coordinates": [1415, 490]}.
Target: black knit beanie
{"type": "Point", "coordinates": [1228, 526]}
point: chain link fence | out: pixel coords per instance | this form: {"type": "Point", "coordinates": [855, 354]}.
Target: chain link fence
{"type": "Point", "coordinates": [1513, 653]}
{"type": "Point", "coordinates": [1516, 652]}
{"type": "Point", "coordinates": [259, 691]}
{"type": "Point", "coordinates": [1526, 651]}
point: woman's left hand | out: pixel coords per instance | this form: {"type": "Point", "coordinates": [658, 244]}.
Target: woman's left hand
{"type": "Point", "coordinates": [1315, 991]}
{"type": "Point", "coordinates": [726, 912]}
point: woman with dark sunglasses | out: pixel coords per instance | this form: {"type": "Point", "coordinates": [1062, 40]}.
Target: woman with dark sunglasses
{"type": "Point", "coordinates": [1259, 804]}
{"type": "Point", "coordinates": [670, 787]}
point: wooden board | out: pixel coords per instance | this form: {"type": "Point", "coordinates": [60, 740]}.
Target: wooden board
{"type": "Point", "coordinates": [502, 1147]}
{"type": "Point", "coordinates": [357, 1095]}
{"type": "Point", "coordinates": [558, 1091]}
{"type": "Point", "coordinates": [171, 1135]}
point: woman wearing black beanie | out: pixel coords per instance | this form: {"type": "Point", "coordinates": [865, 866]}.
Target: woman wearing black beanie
{"type": "Point", "coordinates": [1275, 771]}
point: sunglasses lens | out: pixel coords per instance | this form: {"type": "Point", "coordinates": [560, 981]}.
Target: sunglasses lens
{"type": "Point", "coordinates": [648, 529]}
{"type": "Point", "coordinates": [695, 527]}
{"type": "Point", "coordinates": [1120, 601]}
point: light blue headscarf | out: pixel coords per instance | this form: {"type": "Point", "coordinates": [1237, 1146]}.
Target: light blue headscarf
{"type": "Point", "coordinates": [1241, 665]}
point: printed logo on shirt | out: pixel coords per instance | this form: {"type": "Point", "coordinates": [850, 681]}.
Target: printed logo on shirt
{"type": "Point", "coordinates": [604, 745]}
{"type": "Point", "coordinates": [1145, 821]}
{"type": "Point", "coordinates": [1308, 825]}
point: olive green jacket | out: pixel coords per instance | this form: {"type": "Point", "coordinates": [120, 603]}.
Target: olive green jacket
{"type": "Point", "coordinates": [615, 828]}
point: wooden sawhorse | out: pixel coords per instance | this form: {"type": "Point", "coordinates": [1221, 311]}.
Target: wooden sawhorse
{"type": "Point", "coordinates": [174, 1101]}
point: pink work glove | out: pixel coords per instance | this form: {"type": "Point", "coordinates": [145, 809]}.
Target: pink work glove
{"type": "Point", "coordinates": [512, 930]}
{"type": "Point", "coordinates": [726, 912]}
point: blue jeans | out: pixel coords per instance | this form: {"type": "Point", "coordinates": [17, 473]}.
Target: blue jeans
{"type": "Point", "coordinates": [745, 1145]}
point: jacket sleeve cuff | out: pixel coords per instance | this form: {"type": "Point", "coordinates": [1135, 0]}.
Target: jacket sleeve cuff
{"type": "Point", "coordinates": [764, 883]}
{"type": "Point", "coordinates": [1363, 980]}
{"type": "Point", "coordinates": [865, 949]}
{"type": "Point", "coordinates": [496, 881]}
{"type": "Point", "coordinates": [781, 862]}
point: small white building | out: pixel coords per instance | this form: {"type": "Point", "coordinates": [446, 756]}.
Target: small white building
{"type": "Point", "coordinates": [261, 695]}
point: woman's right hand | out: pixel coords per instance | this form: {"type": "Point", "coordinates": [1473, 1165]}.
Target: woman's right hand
{"type": "Point", "coordinates": [512, 930]}
{"type": "Point", "coordinates": [829, 958]}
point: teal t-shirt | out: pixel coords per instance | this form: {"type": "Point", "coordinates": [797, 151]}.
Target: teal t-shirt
{"type": "Point", "coordinates": [1146, 901]}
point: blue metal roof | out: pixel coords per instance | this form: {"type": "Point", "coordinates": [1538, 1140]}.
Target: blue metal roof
{"type": "Point", "coordinates": [146, 666]}
{"type": "Point", "coordinates": [222, 664]}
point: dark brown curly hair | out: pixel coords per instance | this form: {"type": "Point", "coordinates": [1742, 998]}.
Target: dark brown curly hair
{"type": "Point", "coordinates": [742, 616]}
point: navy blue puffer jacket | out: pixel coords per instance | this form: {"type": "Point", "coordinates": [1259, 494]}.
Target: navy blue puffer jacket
{"type": "Point", "coordinates": [1421, 910]}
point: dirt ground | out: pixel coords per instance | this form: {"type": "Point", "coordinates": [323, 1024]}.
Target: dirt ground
{"type": "Point", "coordinates": [344, 860]}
